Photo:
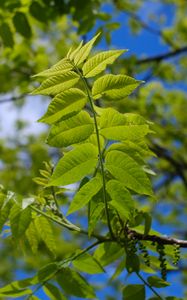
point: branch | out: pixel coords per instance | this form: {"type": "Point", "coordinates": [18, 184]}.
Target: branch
{"type": "Point", "coordinates": [162, 240]}
{"type": "Point", "coordinates": [178, 166]}
{"type": "Point", "coordinates": [12, 99]}
{"type": "Point", "coordinates": [161, 57]}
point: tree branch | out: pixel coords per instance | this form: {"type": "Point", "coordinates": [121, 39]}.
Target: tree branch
{"type": "Point", "coordinates": [161, 57]}
{"type": "Point", "coordinates": [162, 240]}
{"type": "Point", "coordinates": [178, 166]}
{"type": "Point", "coordinates": [12, 99]}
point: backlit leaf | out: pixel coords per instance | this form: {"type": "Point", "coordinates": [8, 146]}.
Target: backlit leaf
{"type": "Point", "coordinates": [58, 69]}
{"type": "Point", "coordinates": [45, 232]}
{"type": "Point", "coordinates": [19, 220]}
{"type": "Point", "coordinates": [88, 264]}
{"type": "Point", "coordinates": [76, 164]}
{"type": "Point", "coordinates": [66, 103]}
{"type": "Point", "coordinates": [57, 84]}
{"type": "Point", "coordinates": [114, 87]}
{"type": "Point", "coordinates": [117, 126]}
{"type": "Point", "coordinates": [71, 131]}
{"type": "Point", "coordinates": [96, 64]}
{"type": "Point", "coordinates": [85, 194]}
{"type": "Point", "coordinates": [85, 51]}
{"type": "Point", "coordinates": [121, 198]}
{"type": "Point", "coordinates": [126, 170]}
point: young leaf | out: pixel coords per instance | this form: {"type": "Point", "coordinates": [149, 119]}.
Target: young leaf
{"type": "Point", "coordinates": [58, 69]}
{"type": "Point", "coordinates": [85, 194]}
{"type": "Point", "coordinates": [71, 131]}
{"type": "Point", "coordinates": [114, 87]}
{"type": "Point", "coordinates": [88, 264]}
{"type": "Point", "coordinates": [74, 284]}
{"type": "Point", "coordinates": [65, 104]}
{"type": "Point", "coordinates": [116, 126]}
{"type": "Point", "coordinates": [53, 292]}
{"type": "Point", "coordinates": [127, 171]}
{"type": "Point", "coordinates": [85, 51]}
{"type": "Point", "coordinates": [96, 64]}
{"type": "Point", "coordinates": [18, 288]}
{"type": "Point", "coordinates": [57, 84]}
{"type": "Point", "coordinates": [45, 232]}
{"type": "Point", "coordinates": [134, 291]}
{"type": "Point", "coordinates": [121, 198]}
{"type": "Point", "coordinates": [76, 164]}
{"type": "Point", "coordinates": [19, 220]}
{"type": "Point", "coordinates": [157, 282]}
{"type": "Point", "coordinates": [72, 54]}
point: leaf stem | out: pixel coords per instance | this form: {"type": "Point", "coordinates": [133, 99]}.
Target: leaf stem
{"type": "Point", "coordinates": [99, 150]}
{"type": "Point", "coordinates": [149, 286]}
{"type": "Point", "coordinates": [70, 225]}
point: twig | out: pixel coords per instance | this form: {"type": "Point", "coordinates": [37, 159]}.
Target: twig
{"type": "Point", "coordinates": [12, 99]}
{"type": "Point", "coordinates": [161, 57]}
{"type": "Point", "coordinates": [162, 240]}
{"type": "Point", "coordinates": [149, 286]}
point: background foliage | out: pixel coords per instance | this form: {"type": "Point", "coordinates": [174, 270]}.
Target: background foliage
{"type": "Point", "coordinates": [36, 34]}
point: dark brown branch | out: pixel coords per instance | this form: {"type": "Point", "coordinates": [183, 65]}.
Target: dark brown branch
{"type": "Point", "coordinates": [161, 57]}
{"type": "Point", "coordinates": [163, 240]}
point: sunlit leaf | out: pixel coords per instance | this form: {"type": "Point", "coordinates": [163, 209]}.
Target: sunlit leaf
{"type": "Point", "coordinates": [71, 131]}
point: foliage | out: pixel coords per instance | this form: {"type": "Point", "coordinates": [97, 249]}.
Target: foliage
{"type": "Point", "coordinates": [34, 35]}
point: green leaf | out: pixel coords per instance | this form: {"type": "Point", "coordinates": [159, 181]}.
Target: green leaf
{"type": "Point", "coordinates": [107, 253]}
{"type": "Point", "coordinates": [4, 213]}
{"type": "Point", "coordinates": [53, 292]}
{"type": "Point", "coordinates": [95, 215]}
{"type": "Point", "coordinates": [132, 263]}
{"type": "Point", "coordinates": [32, 236]}
{"type": "Point", "coordinates": [71, 55]}
{"type": "Point", "coordinates": [121, 198]}
{"type": "Point", "coordinates": [73, 130]}
{"type": "Point", "coordinates": [157, 282]}
{"type": "Point", "coordinates": [117, 126]}
{"type": "Point", "coordinates": [114, 87]}
{"type": "Point", "coordinates": [148, 222]}
{"type": "Point", "coordinates": [19, 220]}
{"type": "Point", "coordinates": [98, 62]}
{"type": "Point", "coordinates": [85, 194]}
{"type": "Point", "coordinates": [47, 272]}
{"type": "Point", "coordinates": [134, 291]}
{"type": "Point", "coordinates": [88, 264]}
{"type": "Point", "coordinates": [65, 104]}
{"type": "Point", "coordinates": [21, 24]}
{"type": "Point", "coordinates": [76, 164]}
{"type": "Point", "coordinates": [119, 269]}
{"type": "Point", "coordinates": [85, 51]}
{"type": "Point", "coordinates": [18, 288]}
{"type": "Point", "coordinates": [57, 84]}
{"type": "Point", "coordinates": [74, 284]}
{"type": "Point", "coordinates": [127, 171]}
{"type": "Point", "coordinates": [38, 11]}
{"type": "Point", "coordinates": [6, 35]}
{"type": "Point", "coordinates": [45, 232]}
{"type": "Point", "coordinates": [59, 68]}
